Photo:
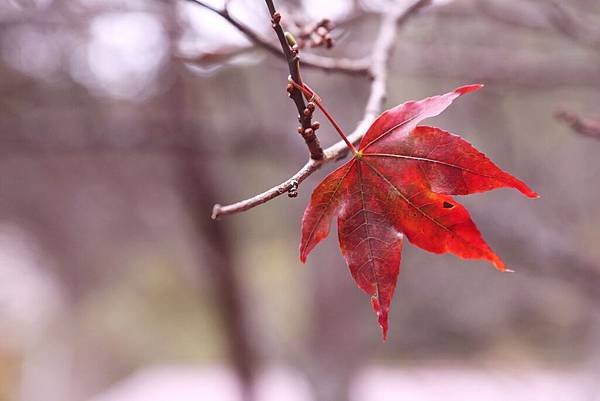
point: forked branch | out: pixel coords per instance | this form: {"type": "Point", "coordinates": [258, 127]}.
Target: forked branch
{"type": "Point", "coordinates": [382, 51]}
{"type": "Point", "coordinates": [358, 66]}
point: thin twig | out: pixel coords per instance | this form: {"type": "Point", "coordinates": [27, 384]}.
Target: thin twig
{"type": "Point", "coordinates": [570, 25]}
{"type": "Point", "coordinates": [582, 126]}
{"type": "Point", "coordinates": [358, 66]}
{"type": "Point", "coordinates": [553, 14]}
{"type": "Point", "coordinates": [293, 60]}
{"type": "Point", "coordinates": [310, 94]}
{"type": "Point", "coordinates": [382, 51]}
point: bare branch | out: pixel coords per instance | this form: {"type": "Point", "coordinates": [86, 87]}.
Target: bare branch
{"type": "Point", "coordinates": [526, 69]}
{"type": "Point", "coordinates": [547, 14]}
{"type": "Point", "coordinates": [540, 16]}
{"type": "Point", "coordinates": [568, 24]}
{"type": "Point", "coordinates": [382, 51]}
{"type": "Point", "coordinates": [218, 56]}
{"type": "Point", "coordinates": [580, 125]}
{"type": "Point", "coordinates": [343, 65]}
{"type": "Point", "coordinates": [306, 129]}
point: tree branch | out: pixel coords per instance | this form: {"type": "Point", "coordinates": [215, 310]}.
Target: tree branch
{"type": "Point", "coordinates": [582, 126]}
{"type": "Point", "coordinates": [358, 66]}
{"type": "Point", "coordinates": [570, 25]}
{"type": "Point", "coordinates": [306, 129]}
{"type": "Point", "coordinates": [382, 51]}
{"type": "Point", "coordinates": [552, 14]}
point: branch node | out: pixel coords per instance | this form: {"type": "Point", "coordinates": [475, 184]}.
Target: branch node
{"type": "Point", "coordinates": [375, 68]}
{"type": "Point", "coordinates": [276, 18]}
{"type": "Point", "coordinates": [293, 191]}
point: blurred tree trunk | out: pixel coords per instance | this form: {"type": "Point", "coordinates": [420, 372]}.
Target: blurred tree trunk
{"type": "Point", "coordinates": [199, 191]}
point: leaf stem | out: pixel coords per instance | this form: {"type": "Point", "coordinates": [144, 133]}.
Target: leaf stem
{"type": "Point", "coordinates": [311, 96]}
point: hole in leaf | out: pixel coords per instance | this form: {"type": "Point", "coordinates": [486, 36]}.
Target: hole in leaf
{"type": "Point", "coordinates": [448, 205]}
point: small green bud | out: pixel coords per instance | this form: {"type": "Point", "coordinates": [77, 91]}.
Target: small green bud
{"type": "Point", "coordinates": [290, 39]}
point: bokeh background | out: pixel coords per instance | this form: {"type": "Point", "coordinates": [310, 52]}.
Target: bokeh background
{"type": "Point", "coordinates": [123, 122]}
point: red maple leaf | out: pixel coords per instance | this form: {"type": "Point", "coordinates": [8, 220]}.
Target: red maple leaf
{"type": "Point", "coordinates": [399, 184]}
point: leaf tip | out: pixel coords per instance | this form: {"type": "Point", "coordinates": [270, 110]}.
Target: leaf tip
{"type": "Point", "coordinates": [521, 187]}
{"type": "Point", "coordinates": [382, 316]}
{"type": "Point", "coordinates": [468, 89]}
{"type": "Point", "coordinates": [303, 254]}
{"type": "Point", "coordinates": [385, 331]}
{"type": "Point", "coordinates": [498, 263]}
{"type": "Point", "coordinates": [528, 192]}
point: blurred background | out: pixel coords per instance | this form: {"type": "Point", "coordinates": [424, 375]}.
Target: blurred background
{"type": "Point", "coordinates": [123, 122]}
